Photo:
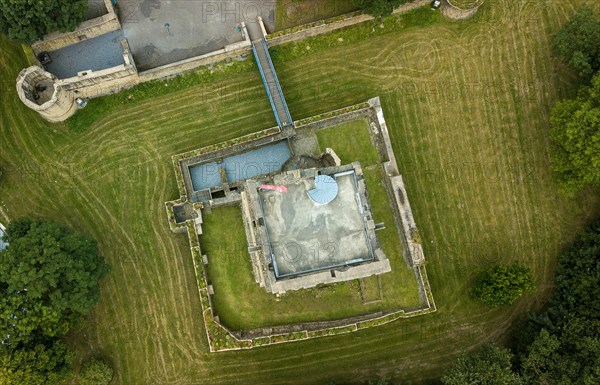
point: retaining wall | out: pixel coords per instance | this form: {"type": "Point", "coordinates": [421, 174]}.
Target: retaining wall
{"type": "Point", "coordinates": [220, 338]}
{"type": "Point", "coordinates": [400, 198]}
{"type": "Point", "coordinates": [328, 25]}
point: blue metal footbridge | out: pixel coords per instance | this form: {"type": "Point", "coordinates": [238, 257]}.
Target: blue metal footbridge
{"type": "Point", "coordinates": [271, 83]}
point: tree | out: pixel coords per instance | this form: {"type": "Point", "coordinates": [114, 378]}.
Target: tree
{"type": "Point", "coordinates": [490, 365]}
{"type": "Point", "coordinates": [502, 285]}
{"type": "Point", "coordinates": [378, 8]}
{"type": "Point", "coordinates": [48, 280]}
{"type": "Point", "coordinates": [28, 20]}
{"type": "Point", "coordinates": [38, 365]}
{"type": "Point", "coordinates": [96, 372]}
{"type": "Point", "coordinates": [577, 42]}
{"type": "Point", "coordinates": [575, 132]}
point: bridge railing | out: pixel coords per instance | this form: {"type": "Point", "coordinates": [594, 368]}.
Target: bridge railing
{"type": "Point", "coordinates": [262, 75]}
{"type": "Point", "coordinates": [287, 111]}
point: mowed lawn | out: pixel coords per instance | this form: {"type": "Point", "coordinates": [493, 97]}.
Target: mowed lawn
{"type": "Point", "coordinates": [351, 141]}
{"type": "Point", "coordinates": [467, 105]}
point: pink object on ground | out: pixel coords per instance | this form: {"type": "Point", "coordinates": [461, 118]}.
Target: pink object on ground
{"type": "Point", "coordinates": [269, 187]}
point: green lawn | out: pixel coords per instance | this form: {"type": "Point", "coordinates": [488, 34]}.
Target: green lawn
{"type": "Point", "coordinates": [351, 141]}
{"type": "Point", "coordinates": [467, 106]}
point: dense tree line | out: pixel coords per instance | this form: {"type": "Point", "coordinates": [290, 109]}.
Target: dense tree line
{"type": "Point", "coordinates": [29, 20]}
{"type": "Point", "coordinates": [577, 42]}
{"type": "Point", "coordinates": [575, 122]}
{"type": "Point", "coordinates": [49, 281]}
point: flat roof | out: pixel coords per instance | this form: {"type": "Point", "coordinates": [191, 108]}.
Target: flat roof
{"type": "Point", "coordinates": [94, 54]}
{"type": "Point", "coordinates": [305, 237]}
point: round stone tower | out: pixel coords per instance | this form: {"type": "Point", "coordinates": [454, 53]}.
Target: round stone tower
{"type": "Point", "coordinates": [38, 90]}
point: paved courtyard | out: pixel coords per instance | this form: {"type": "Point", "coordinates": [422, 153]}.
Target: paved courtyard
{"type": "Point", "coordinates": [165, 31]}
{"type": "Point", "coordinates": [306, 236]}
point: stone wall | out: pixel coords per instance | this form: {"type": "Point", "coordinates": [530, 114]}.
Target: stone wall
{"type": "Point", "coordinates": [394, 180]}
{"type": "Point", "coordinates": [86, 30]}
{"type": "Point", "coordinates": [222, 339]}
{"type": "Point", "coordinates": [328, 25]}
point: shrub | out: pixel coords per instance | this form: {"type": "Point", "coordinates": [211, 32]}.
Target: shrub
{"type": "Point", "coordinates": [96, 372]}
{"type": "Point", "coordinates": [502, 285]}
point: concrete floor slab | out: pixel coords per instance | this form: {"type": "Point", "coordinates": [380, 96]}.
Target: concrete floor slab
{"type": "Point", "coordinates": [306, 236]}
{"type": "Point", "coordinates": [165, 31]}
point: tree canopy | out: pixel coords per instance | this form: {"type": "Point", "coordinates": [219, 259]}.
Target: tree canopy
{"type": "Point", "coordinates": [48, 280]}
{"type": "Point", "coordinates": [563, 345]}
{"type": "Point", "coordinates": [577, 42]}
{"type": "Point", "coordinates": [488, 366]}
{"type": "Point", "coordinates": [378, 7]}
{"type": "Point", "coordinates": [575, 132]}
{"type": "Point", "coordinates": [37, 365]}
{"type": "Point", "coordinates": [502, 285]}
{"type": "Point", "coordinates": [30, 20]}
{"type": "Point", "coordinates": [95, 372]}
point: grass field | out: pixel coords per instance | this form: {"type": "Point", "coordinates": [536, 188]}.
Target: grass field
{"type": "Point", "coordinates": [351, 142]}
{"type": "Point", "coordinates": [467, 105]}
